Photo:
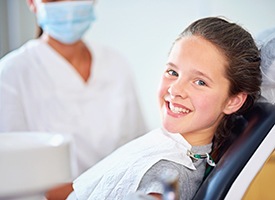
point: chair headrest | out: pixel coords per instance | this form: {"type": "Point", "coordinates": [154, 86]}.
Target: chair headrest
{"type": "Point", "coordinates": [256, 125]}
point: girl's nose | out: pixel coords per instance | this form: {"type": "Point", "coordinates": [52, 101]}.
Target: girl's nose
{"type": "Point", "coordinates": [177, 90]}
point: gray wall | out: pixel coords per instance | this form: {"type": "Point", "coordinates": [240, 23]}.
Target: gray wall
{"type": "Point", "coordinates": [17, 24]}
{"type": "Point", "coordinates": [143, 31]}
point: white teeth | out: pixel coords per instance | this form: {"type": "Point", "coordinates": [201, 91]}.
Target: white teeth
{"type": "Point", "coordinates": [177, 109]}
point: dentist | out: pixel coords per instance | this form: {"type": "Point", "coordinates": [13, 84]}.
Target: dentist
{"type": "Point", "coordinates": [61, 83]}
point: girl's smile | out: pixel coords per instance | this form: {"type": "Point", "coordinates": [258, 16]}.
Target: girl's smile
{"type": "Point", "coordinates": [174, 109]}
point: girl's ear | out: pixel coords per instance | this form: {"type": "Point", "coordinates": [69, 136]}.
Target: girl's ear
{"type": "Point", "coordinates": [235, 103]}
{"type": "Point", "coordinates": [32, 5]}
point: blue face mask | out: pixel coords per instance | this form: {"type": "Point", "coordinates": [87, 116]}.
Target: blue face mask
{"type": "Point", "coordinates": [65, 21]}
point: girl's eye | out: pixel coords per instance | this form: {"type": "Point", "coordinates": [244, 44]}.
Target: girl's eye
{"type": "Point", "coordinates": [172, 72]}
{"type": "Point", "coordinates": [200, 82]}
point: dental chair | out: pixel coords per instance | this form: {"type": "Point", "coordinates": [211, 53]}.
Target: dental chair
{"type": "Point", "coordinates": [240, 163]}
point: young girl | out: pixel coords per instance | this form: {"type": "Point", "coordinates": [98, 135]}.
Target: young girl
{"type": "Point", "coordinates": [212, 73]}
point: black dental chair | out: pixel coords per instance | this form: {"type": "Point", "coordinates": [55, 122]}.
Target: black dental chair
{"type": "Point", "coordinates": [244, 157]}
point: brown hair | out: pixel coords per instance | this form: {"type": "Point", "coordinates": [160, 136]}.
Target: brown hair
{"type": "Point", "coordinates": [243, 71]}
{"type": "Point", "coordinates": [38, 31]}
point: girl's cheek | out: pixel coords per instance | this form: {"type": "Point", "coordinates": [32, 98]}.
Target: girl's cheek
{"type": "Point", "coordinates": [160, 93]}
{"type": "Point", "coordinates": [202, 101]}
{"type": "Point", "coordinates": [163, 88]}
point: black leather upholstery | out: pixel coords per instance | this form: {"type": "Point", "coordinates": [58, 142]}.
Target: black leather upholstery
{"type": "Point", "coordinates": [257, 124]}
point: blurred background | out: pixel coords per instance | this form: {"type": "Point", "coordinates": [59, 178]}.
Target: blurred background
{"type": "Point", "coordinates": [142, 30]}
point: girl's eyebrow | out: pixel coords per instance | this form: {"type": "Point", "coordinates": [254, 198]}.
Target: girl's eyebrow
{"type": "Point", "coordinates": [200, 73]}
{"type": "Point", "coordinates": [171, 64]}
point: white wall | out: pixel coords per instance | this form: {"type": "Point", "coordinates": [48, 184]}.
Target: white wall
{"type": "Point", "coordinates": [144, 30]}
{"type": "Point", "coordinates": [17, 24]}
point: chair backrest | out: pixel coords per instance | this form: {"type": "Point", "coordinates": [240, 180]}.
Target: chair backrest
{"type": "Point", "coordinates": [257, 125]}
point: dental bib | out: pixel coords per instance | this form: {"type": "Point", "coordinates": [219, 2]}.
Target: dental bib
{"type": "Point", "coordinates": [120, 173]}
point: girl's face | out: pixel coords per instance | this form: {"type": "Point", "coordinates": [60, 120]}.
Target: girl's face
{"type": "Point", "coordinates": [193, 94]}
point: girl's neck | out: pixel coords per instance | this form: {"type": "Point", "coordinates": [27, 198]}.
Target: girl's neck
{"type": "Point", "coordinates": [198, 139]}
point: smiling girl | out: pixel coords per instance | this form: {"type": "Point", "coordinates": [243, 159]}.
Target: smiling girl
{"type": "Point", "coordinates": [212, 75]}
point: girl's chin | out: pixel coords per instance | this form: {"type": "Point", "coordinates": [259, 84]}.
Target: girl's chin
{"type": "Point", "coordinates": [169, 128]}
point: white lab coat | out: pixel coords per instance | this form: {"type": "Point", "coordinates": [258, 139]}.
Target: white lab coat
{"type": "Point", "coordinates": [41, 91]}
